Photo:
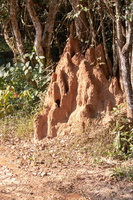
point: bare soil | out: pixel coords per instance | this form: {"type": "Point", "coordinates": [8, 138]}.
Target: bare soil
{"type": "Point", "coordinates": [52, 170]}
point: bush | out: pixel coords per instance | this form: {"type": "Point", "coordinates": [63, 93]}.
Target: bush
{"type": "Point", "coordinates": [11, 101]}
{"type": "Point", "coordinates": [19, 125]}
{"type": "Point", "coordinates": [20, 84]}
{"type": "Point", "coordinates": [120, 173]}
{"type": "Point", "coordinates": [123, 131]}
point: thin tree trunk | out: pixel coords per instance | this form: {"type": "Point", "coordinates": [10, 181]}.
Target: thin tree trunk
{"type": "Point", "coordinates": [109, 10]}
{"type": "Point", "coordinates": [81, 22]}
{"type": "Point", "coordinates": [132, 68]}
{"type": "Point", "coordinates": [120, 40]}
{"type": "Point", "coordinates": [8, 40]}
{"type": "Point", "coordinates": [104, 39]}
{"type": "Point", "coordinates": [38, 28]}
{"type": "Point", "coordinates": [92, 30]}
{"type": "Point", "coordinates": [124, 48]}
{"type": "Point", "coordinates": [48, 31]}
{"type": "Point", "coordinates": [115, 52]}
{"type": "Point", "coordinates": [127, 83]}
{"type": "Point", "coordinates": [15, 28]}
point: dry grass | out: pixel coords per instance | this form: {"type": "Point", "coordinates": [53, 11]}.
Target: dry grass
{"type": "Point", "coordinates": [76, 146]}
{"type": "Point", "coordinates": [19, 126]}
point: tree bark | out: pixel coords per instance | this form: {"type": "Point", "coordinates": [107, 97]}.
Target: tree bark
{"type": "Point", "coordinates": [8, 39]}
{"type": "Point", "coordinates": [124, 49]}
{"type": "Point", "coordinates": [81, 22]}
{"type": "Point", "coordinates": [132, 67]}
{"type": "Point", "coordinates": [38, 28]}
{"type": "Point", "coordinates": [15, 28]}
{"type": "Point", "coordinates": [104, 39]}
{"type": "Point", "coordinates": [115, 52]}
{"type": "Point", "coordinates": [48, 31]}
{"type": "Point", "coordinates": [92, 30]}
{"type": "Point", "coordinates": [127, 83]}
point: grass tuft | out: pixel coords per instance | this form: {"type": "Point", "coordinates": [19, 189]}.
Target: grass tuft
{"type": "Point", "coordinates": [120, 173]}
{"type": "Point", "coordinates": [19, 125]}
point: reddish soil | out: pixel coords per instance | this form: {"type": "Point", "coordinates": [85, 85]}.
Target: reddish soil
{"type": "Point", "coordinates": [63, 168]}
{"type": "Point", "coordinates": [39, 171]}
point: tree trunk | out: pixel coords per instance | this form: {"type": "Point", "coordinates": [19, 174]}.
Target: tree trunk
{"type": "Point", "coordinates": [124, 50]}
{"type": "Point", "coordinates": [132, 67]}
{"type": "Point", "coordinates": [81, 22]}
{"type": "Point", "coordinates": [15, 28]}
{"type": "Point", "coordinates": [92, 30]}
{"type": "Point", "coordinates": [8, 39]}
{"type": "Point", "coordinates": [48, 31]}
{"type": "Point", "coordinates": [115, 51]}
{"type": "Point", "coordinates": [38, 28]}
{"type": "Point", "coordinates": [125, 67]}
{"type": "Point", "coordinates": [104, 39]}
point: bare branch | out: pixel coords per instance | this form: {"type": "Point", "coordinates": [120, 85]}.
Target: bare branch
{"type": "Point", "coordinates": [110, 11]}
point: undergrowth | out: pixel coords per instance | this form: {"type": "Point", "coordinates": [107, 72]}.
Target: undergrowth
{"type": "Point", "coordinates": [96, 143]}
{"type": "Point", "coordinates": [21, 84]}
{"type": "Point", "coordinates": [122, 129]}
{"type": "Point", "coordinates": [96, 139]}
{"type": "Point", "coordinates": [120, 173]}
{"type": "Point", "coordinates": [17, 126]}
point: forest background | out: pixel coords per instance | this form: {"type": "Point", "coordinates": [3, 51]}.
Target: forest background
{"type": "Point", "coordinates": [34, 34]}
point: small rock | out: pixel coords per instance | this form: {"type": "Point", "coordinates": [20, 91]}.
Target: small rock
{"type": "Point", "coordinates": [34, 173]}
{"type": "Point", "coordinates": [44, 174]}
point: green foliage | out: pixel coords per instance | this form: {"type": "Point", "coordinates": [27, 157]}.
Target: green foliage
{"type": "Point", "coordinates": [17, 126]}
{"type": "Point", "coordinates": [123, 131]}
{"type": "Point", "coordinates": [10, 101]}
{"type": "Point", "coordinates": [117, 110]}
{"type": "Point", "coordinates": [4, 12]}
{"type": "Point", "coordinates": [20, 84]}
{"type": "Point", "coordinates": [3, 46]}
{"type": "Point", "coordinates": [5, 97]}
{"type": "Point", "coordinates": [120, 173]}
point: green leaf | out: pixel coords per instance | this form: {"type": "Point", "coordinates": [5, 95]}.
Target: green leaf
{"type": "Point", "coordinates": [20, 64]}
{"type": "Point", "coordinates": [121, 127]}
{"type": "Point", "coordinates": [101, 63]}
{"type": "Point", "coordinates": [32, 55]}
{"type": "Point", "coordinates": [26, 72]}
{"type": "Point", "coordinates": [8, 65]}
{"type": "Point", "coordinates": [27, 55]}
{"type": "Point", "coordinates": [27, 64]}
{"type": "Point", "coordinates": [6, 74]}
{"type": "Point", "coordinates": [11, 69]}
{"type": "Point", "coordinates": [24, 68]}
{"type": "Point", "coordinates": [30, 68]}
{"type": "Point", "coordinates": [1, 74]}
{"type": "Point", "coordinates": [41, 57]}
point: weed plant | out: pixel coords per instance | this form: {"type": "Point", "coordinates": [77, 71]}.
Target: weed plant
{"type": "Point", "coordinates": [123, 132]}
{"type": "Point", "coordinates": [120, 173]}
{"type": "Point", "coordinates": [17, 126]}
{"type": "Point", "coordinates": [21, 84]}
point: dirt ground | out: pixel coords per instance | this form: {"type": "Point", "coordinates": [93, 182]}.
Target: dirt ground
{"type": "Point", "coordinates": [36, 171]}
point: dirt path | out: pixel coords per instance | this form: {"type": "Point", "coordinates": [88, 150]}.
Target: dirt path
{"type": "Point", "coordinates": [23, 178]}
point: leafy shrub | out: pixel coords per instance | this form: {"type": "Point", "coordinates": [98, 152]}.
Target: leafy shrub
{"type": "Point", "coordinates": [120, 173]}
{"type": "Point", "coordinates": [10, 101]}
{"type": "Point", "coordinates": [20, 84]}
{"type": "Point", "coordinates": [19, 125]}
{"type": "Point", "coordinates": [123, 131]}
{"type": "Point", "coordinates": [5, 97]}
